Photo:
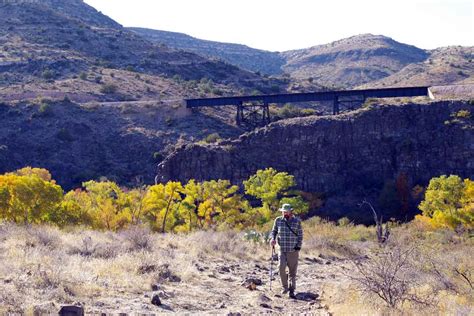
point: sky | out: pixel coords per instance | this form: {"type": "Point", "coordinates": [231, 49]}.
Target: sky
{"type": "Point", "coordinates": [279, 25]}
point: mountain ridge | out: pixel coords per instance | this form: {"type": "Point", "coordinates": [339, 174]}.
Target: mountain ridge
{"type": "Point", "coordinates": [359, 60]}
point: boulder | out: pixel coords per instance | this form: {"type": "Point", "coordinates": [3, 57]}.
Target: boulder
{"type": "Point", "coordinates": [71, 310]}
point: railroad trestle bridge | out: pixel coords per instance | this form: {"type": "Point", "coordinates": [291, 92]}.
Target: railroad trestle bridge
{"type": "Point", "coordinates": [254, 109]}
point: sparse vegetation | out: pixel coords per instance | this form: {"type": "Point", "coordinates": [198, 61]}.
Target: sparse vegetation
{"type": "Point", "coordinates": [212, 138]}
{"type": "Point", "coordinates": [290, 111]}
{"type": "Point", "coordinates": [108, 88]}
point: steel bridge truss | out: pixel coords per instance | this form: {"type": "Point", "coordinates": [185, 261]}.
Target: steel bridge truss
{"type": "Point", "coordinates": [254, 110]}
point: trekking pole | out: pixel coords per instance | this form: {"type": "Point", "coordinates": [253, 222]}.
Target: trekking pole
{"type": "Point", "coordinates": [271, 266]}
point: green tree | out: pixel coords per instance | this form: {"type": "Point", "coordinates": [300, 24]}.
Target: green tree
{"type": "Point", "coordinates": [268, 185]}
{"type": "Point", "coordinates": [300, 206]}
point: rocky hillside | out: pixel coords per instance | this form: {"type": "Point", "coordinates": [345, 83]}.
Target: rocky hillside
{"type": "Point", "coordinates": [346, 157]}
{"type": "Point", "coordinates": [240, 55]}
{"type": "Point", "coordinates": [444, 66]}
{"type": "Point", "coordinates": [121, 141]}
{"type": "Point", "coordinates": [364, 60]}
{"type": "Point", "coordinates": [352, 61]}
{"type": "Point", "coordinates": [49, 40]}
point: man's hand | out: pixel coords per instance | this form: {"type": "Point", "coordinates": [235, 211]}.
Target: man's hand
{"type": "Point", "coordinates": [273, 242]}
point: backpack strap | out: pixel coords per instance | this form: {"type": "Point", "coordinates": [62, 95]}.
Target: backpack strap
{"type": "Point", "coordinates": [290, 228]}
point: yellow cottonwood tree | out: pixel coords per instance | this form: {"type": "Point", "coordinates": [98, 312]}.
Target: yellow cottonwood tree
{"type": "Point", "coordinates": [221, 204]}
{"type": "Point", "coordinates": [449, 202]}
{"type": "Point", "coordinates": [106, 210]}
{"type": "Point", "coordinates": [32, 198]}
{"type": "Point", "coordinates": [159, 201]}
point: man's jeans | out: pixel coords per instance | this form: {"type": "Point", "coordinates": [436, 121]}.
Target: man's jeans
{"type": "Point", "coordinates": [289, 259]}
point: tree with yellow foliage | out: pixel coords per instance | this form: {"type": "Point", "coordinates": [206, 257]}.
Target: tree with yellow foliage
{"type": "Point", "coordinates": [159, 201]}
{"type": "Point", "coordinates": [449, 202]}
{"type": "Point", "coordinates": [221, 205]}
{"type": "Point", "coordinates": [106, 210]}
{"type": "Point", "coordinates": [29, 196]}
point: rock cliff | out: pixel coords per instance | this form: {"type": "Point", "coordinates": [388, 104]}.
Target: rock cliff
{"type": "Point", "coordinates": [352, 154]}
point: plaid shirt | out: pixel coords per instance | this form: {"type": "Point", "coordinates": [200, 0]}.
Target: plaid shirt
{"type": "Point", "coordinates": [283, 235]}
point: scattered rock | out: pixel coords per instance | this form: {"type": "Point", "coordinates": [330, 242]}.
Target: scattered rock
{"type": "Point", "coordinates": [155, 287]}
{"type": "Point", "coordinates": [234, 314]}
{"type": "Point", "coordinates": [147, 268]}
{"type": "Point", "coordinates": [306, 296]}
{"type": "Point", "coordinates": [71, 310]}
{"type": "Point", "coordinates": [252, 283]}
{"type": "Point", "coordinates": [261, 267]}
{"type": "Point", "coordinates": [265, 305]}
{"type": "Point", "coordinates": [253, 280]}
{"type": "Point", "coordinates": [223, 269]}
{"type": "Point", "coordinates": [166, 274]}
{"type": "Point", "coordinates": [251, 287]}
{"type": "Point", "coordinates": [264, 298]}
{"type": "Point", "coordinates": [156, 300]}
{"type": "Point", "coordinates": [314, 260]}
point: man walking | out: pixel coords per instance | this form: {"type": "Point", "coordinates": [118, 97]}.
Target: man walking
{"type": "Point", "coordinates": [287, 232]}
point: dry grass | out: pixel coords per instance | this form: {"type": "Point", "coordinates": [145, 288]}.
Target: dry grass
{"type": "Point", "coordinates": [43, 264]}
{"type": "Point", "coordinates": [201, 272]}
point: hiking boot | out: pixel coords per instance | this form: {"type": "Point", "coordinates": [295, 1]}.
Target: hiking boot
{"type": "Point", "coordinates": [291, 294]}
{"type": "Point", "coordinates": [284, 291]}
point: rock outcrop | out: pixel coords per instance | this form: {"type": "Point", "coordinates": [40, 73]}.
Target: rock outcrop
{"type": "Point", "coordinates": [350, 154]}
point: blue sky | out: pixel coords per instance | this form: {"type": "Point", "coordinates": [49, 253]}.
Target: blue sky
{"type": "Point", "coordinates": [279, 25]}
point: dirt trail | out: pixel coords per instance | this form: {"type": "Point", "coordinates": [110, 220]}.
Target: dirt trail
{"type": "Point", "coordinates": [221, 290]}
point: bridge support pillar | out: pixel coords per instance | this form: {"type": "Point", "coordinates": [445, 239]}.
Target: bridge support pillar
{"type": "Point", "coordinates": [253, 115]}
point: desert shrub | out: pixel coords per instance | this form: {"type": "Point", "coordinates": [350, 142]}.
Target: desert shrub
{"type": "Point", "coordinates": [45, 109]}
{"type": "Point", "coordinates": [43, 236]}
{"type": "Point", "coordinates": [257, 237]}
{"type": "Point", "coordinates": [48, 74]}
{"type": "Point", "coordinates": [466, 114]}
{"type": "Point", "coordinates": [157, 156]}
{"type": "Point", "coordinates": [344, 221]}
{"type": "Point", "coordinates": [138, 238]}
{"type": "Point", "coordinates": [109, 88]}
{"type": "Point", "coordinates": [89, 248]}
{"type": "Point", "coordinates": [212, 138]}
{"type": "Point", "coordinates": [392, 275]}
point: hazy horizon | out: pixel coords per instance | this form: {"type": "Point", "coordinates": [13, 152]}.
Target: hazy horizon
{"type": "Point", "coordinates": [279, 26]}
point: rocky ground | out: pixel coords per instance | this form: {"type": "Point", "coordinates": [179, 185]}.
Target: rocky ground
{"type": "Point", "coordinates": [134, 272]}
{"type": "Point", "coordinates": [43, 269]}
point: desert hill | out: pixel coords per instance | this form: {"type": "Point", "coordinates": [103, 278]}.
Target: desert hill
{"type": "Point", "coordinates": [363, 60]}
